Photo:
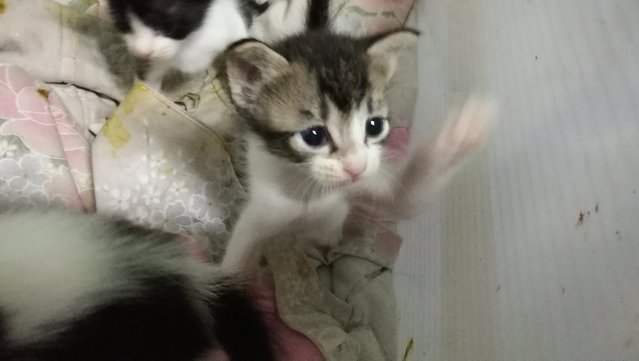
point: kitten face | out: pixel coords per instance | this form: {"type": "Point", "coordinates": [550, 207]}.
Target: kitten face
{"type": "Point", "coordinates": [146, 43]}
{"type": "Point", "coordinates": [155, 29]}
{"type": "Point", "coordinates": [344, 149]}
{"type": "Point", "coordinates": [333, 145]}
{"type": "Point", "coordinates": [317, 101]}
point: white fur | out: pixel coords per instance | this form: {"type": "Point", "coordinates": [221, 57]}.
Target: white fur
{"type": "Point", "coordinates": [277, 202]}
{"type": "Point", "coordinates": [318, 205]}
{"type": "Point", "coordinates": [145, 43]}
{"type": "Point", "coordinates": [46, 266]}
{"type": "Point", "coordinates": [222, 26]}
{"type": "Point", "coordinates": [282, 18]}
{"type": "Point", "coordinates": [358, 155]}
{"type": "Point", "coordinates": [57, 266]}
{"type": "Point", "coordinates": [273, 207]}
{"type": "Point", "coordinates": [315, 197]}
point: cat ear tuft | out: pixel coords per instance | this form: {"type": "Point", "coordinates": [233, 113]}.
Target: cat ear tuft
{"type": "Point", "coordinates": [249, 66]}
{"type": "Point", "coordinates": [384, 51]}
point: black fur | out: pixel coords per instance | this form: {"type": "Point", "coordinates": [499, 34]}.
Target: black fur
{"type": "Point", "coordinates": [3, 334]}
{"type": "Point", "coordinates": [161, 324]}
{"type": "Point", "coordinates": [242, 332]}
{"type": "Point", "coordinates": [175, 19]}
{"type": "Point", "coordinates": [341, 66]}
{"type": "Point", "coordinates": [339, 62]}
{"type": "Point", "coordinates": [251, 9]}
{"type": "Point", "coordinates": [318, 14]}
{"type": "Point", "coordinates": [161, 316]}
{"type": "Point", "coordinates": [277, 142]}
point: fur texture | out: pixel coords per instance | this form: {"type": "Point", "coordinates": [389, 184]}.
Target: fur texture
{"type": "Point", "coordinates": [284, 18]}
{"type": "Point", "coordinates": [185, 35]}
{"type": "Point", "coordinates": [83, 287]}
{"type": "Point", "coordinates": [317, 116]}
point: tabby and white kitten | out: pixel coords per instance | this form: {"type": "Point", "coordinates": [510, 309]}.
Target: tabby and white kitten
{"type": "Point", "coordinates": [84, 287]}
{"type": "Point", "coordinates": [185, 35]}
{"type": "Point", "coordinates": [316, 109]}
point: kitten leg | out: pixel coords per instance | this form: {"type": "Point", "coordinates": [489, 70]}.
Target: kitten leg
{"type": "Point", "coordinates": [256, 224]}
{"type": "Point", "coordinates": [154, 75]}
{"type": "Point", "coordinates": [240, 246]}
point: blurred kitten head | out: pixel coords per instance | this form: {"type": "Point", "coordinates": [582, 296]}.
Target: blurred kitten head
{"type": "Point", "coordinates": [156, 29]}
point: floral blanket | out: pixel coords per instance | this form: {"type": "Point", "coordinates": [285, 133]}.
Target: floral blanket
{"type": "Point", "coordinates": [45, 156]}
{"type": "Point", "coordinates": [64, 74]}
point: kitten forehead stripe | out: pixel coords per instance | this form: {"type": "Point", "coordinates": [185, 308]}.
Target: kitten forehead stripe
{"type": "Point", "coordinates": [323, 108]}
{"type": "Point", "coordinates": [339, 63]}
{"type": "Point", "coordinates": [318, 14]}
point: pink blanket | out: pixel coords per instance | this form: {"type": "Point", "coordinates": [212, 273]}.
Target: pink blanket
{"type": "Point", "coordinates": [44, 155]}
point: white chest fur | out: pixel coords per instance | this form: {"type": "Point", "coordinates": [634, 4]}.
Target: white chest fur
{"type": "Point", "coordinates": [271, 209]}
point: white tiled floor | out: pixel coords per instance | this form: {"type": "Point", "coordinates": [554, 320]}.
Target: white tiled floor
{"type": "Point", "coordinates": [498, 267]}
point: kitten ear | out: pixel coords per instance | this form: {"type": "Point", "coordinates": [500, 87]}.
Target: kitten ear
{"type": "Point", "coordinates": [384, 51]}
{"type": "Point", "coordinates": [249, 66]}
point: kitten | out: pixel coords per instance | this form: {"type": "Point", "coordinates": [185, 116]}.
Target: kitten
{"type": "Point", "coordinates": [284, 18]}
{"type": "Point", "coordinates": [316, 112]}
{"type": "Point", "coordinates": [185, 35]}
{"type": "Point", "coordinates": [84, 287]}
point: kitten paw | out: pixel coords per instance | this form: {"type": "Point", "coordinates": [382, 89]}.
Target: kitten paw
{"type": "Point", "coordinates": [464, 131]}
{"type": "Point", "coordinates": [432, 164]}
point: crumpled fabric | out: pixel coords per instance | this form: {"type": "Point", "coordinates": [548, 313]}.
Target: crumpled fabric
{"type": "Point", "coordinates": [157, 161]}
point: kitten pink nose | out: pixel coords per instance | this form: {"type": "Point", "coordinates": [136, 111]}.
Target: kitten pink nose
{"type": "Point", "coordinates": [355, 170]}
{"type": "Point", "coordinates": [354, 162]}
{"type": "Point", "coordinates": [142, 53]}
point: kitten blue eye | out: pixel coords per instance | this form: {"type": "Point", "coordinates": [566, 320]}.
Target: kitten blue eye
{"type": "Point", "coordinates": [314, 136]}
{"type": "Point", "coordinates": [375, 126]}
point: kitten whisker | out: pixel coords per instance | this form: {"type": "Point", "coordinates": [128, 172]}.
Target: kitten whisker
{"type": "Point", "coordinates": [305, 184]}
{"type": "Point", "coordinates": [308, 187]}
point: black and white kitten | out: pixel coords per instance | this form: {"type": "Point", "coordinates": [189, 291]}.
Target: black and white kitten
{"type": "Point", "coordinates": [315, 107]}
{"type": "Point", "coordinates": [185, 35]}
{"type": "Point", "coordinates": [284, 18]}
{"type": "Point", "coordinates": [88, 288]}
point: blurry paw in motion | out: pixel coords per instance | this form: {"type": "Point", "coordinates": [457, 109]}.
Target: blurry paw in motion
{"type": "Point", "coordinates": [434, 163]}
{"type": "Point", "coordinates": [464, 132]}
